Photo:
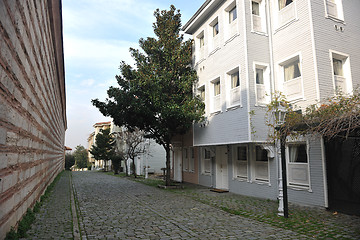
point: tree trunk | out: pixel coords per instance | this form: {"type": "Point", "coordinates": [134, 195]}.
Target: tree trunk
{"type": "Point", "coordinates": [105, 169]}
{"type": "Point", "coordinates": [167, 178]}
{"type": "Point", "coordinates": [133, 167]}
{"type": "Point", "coordinates": [126, 168]}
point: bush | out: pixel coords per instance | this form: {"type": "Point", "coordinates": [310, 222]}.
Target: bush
{"type": "Point", "coordinates": [69, 161]}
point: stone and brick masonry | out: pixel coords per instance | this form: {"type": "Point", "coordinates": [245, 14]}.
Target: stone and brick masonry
{"type": "Point", "coordinates": [32, 104]}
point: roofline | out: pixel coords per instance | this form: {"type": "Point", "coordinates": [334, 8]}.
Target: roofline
{"type": "Point", "coordinates": [201, 15]}
{"type": "Point", "coordinates": [197, 13]}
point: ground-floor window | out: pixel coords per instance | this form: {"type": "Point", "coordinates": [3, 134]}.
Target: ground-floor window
{"type": "Point", "coordinates": [261, 170]}
{"type": "Point", "coordinates": [298, 164]}
{"type": "Point", "coordinates": [205, 162]}
{"type": "Point", "coordinates": [192, 160]}
{"type": "Point", "coordinates": [240, 160]}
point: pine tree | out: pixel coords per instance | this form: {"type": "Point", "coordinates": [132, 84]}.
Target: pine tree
{"type": "Point", "coordinates": [104, 146]}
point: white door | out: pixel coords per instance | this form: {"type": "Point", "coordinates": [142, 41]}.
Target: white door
{"type": "Point", "coordinates": [222, 181]}
{"type": "Point", "coordinates": [178, 165]}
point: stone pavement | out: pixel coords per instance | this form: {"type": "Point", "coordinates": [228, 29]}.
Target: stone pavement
{"type": "Point", "coordinates": [54, 221]}
{"type": "Point", "coordinates": [116, 208]}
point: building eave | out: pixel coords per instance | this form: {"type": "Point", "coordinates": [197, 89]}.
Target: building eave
{"type": "Point", "coordinates": [201, 15]}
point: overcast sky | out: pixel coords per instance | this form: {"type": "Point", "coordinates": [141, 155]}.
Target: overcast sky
{"type": "Point", "coordinates": [97, 36]}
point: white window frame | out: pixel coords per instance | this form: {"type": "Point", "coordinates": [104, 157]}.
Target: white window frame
{"type": "Point", "coordinates": [200, 46]}
{"type": "Point", "coordinates": [215, 37]}
{"type": "Point", "coordinates": [233, 92]}
{"type": "Point", "coordinates": [334, 10]}
{"type": "Point", "coordinates": [297, 167]}
{"type": "Point", "coordinates": [191, 159]}
{"type": "Point", "coordinates": [230, 24]}
{"type": "Point", "coordinates": [292, 88]}
{"type": "Point", "coordinates": [260, 164]}
{"type": "Point", "coordinates": [346, 79]}
{"type": "Point", "coordinates": [237, 161]}
{"type": "Point", "coordinates": [266, 85]}
{"type": "Point", "coordinates": [259, 19]}
{"type": "Point", "coordinates": [204, 160]}
{"type": "Point", "coordinates": [185, 162]}
{"type": "Point", "coordinates": [216, 103]}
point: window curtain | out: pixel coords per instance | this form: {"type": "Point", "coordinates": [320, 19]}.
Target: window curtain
{"type": "Point", "coordinates": [338, 67]}
{"type": "Point", "coordinates": [216, 88]}
{"type": "Point", "coordinates": [259, 76]}
{"type": "Point", "coordinates": [282, 4]}
{"type": "Point", "coordinates": [292, 71]}
{"type": "Point", "coordinates": [293, 153]}
{"type": "Point", "coordinates": [235, 80]}
{"type": "Point", "coordinates": [255, 8]}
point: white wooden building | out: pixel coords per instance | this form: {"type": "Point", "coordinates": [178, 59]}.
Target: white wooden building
{"type": "Point", "coordinates": [244, 51]}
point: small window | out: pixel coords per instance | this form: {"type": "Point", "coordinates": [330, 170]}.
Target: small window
{"type": "Point", "coordinates": [201, 41]}
{"type": "Point", "coordinates": [261, 154]}
{"type": "Point", "coordinates": [334, 9]}
{"type": "Point", "coordinates": [292, 70]}
{"type": "Point", "coordinates": [206, 162]}
{"type": "Point", "coordinates": [216, 88]}
{"type": "Point", "coordinates": [191, 160]}
{"type": "Point", "coordinates": [215, 29]}
{"type": "Point", "coordinates": [255, 8]}
{"type": "Point", "coordinates": [185, 160]}
{"type": "Point", "coordinates": [232, 14]}
{"type": "Point", "coordinates": [241, 153]}
{"type": "Point", "coordinates": [240, 162]}
{"type": "Point", "coordinates": [206, 154]}
{"type": "Point", "coordinates": [202, 93]}
{"type": "Point", "coordinates": [297, 153]}
{"type": "Point", "coordinates": [338, 67]}
{"type": "Point", "coordinates": [284, 3]}
{"type": "Point", "coordinates": [259, 76]}
{"type": "Point", "coordinates": [235, 81]}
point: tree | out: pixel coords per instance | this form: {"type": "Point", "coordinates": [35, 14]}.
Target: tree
{"type": "Point", "coordinates": [69, 161]}
{"type": "Point", "coordinates": [104, 146]}
{"type": "Point", "coordinates": [156, 95]}
{"type": "Point", "coordinates": [81, 156]}
{"type": "Point", "coordinates": [134, 146]}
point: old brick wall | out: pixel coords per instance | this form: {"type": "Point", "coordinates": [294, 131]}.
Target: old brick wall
{"type": "Point", "coordinates": [32, 104]}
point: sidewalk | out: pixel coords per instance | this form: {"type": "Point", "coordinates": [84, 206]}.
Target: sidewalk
{"type": "Point", "coordinates": [54, 221]}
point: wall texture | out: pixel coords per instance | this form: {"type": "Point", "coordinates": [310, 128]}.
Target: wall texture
{"type": "Point", "coordinates": [32, 104]}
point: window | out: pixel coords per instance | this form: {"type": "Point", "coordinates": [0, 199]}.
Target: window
{"type": "Point", "coordinates": [215, 28]}
{"type": "Point", "coordinates": [217, 88]}
{"type": "Point", "coordinates": [261, 164]}
{"type": "Point", "coordinates": [297, 160]}
{"type": "Point", "coordinates": [338, 67]}
{"type": "Point", "coordinates": [216, 96]}
{"type": "Point", "coordinates": [341, 73]}
{"type": "Point", "coordinates": [262, 82]}
{"type": "Point", "coordinates": [240, 162]}
{"type": "Point", "coordinates": [185, 160]}
{"type": "Point", "coordinates": [206, 162]}
{"type": "Point", "coordinates": [255, 8]}
{"type": "Point", "coordinates": [232, 14]}
{"type": "Point", "coordinates": [292, 70]}
{"type": "Point", "coordinates": [202, 93]}
{"type": "Point", "coordinates": [259, 76]}
{"type": "Point", "coordinates": [201, 41]}
{"type": "Point", "coordinates": [233, 89]}
{"type": "Point", "coordinates": [292, 82]}
{"type": "Point", "coordinates": [284, 3]}
{"type": "Point", "coordinates": [258, 16]}
{"type": "Point", "coordinates": [191, 160]}
{"type": "Point", "coordinates": [235, 81]}
{"type": "Point", "coordinates": [334, 9]}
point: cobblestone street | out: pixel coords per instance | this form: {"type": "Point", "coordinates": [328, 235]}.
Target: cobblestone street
{"type": "Point", "coordinates": [117, 208]}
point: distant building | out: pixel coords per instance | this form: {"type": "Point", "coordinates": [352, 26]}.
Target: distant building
{"type": "Point", "coordinates": [32, 104]}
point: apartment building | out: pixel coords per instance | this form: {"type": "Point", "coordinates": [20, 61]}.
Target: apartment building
{"type": "Point", "coordinates": [244, 52]}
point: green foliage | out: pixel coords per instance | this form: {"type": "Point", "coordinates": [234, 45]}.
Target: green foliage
{"type": "Point", "coordinates": [104, 146]}
{"type": "Point", "coordinates": [81, 156]}
{"type": "Point", "coordinates": [338, 115]}
{"type": "Point", "coordinates": [12, 235]}
{"type": "Point", "coordinates": [156, 95]}
{"type": "Point", "coordinates": [25, 223]}
{"type": "Point", "coordinates": [116, 162]}
{"type": "Point", "coordinates": [69, 161]}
